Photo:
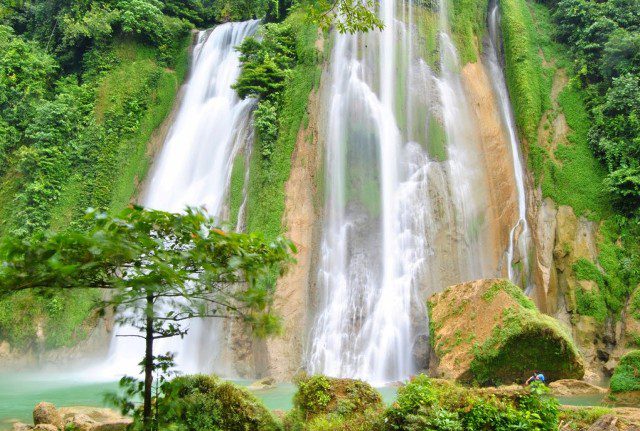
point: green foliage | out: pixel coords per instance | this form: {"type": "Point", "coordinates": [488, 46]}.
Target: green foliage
{"type": "Point", "coordinates": [634, 305]}
{"type": "Point", "coordinates": [147, 258]}
{"type": "Point", "coordinates": [269, 174]}
{"type": "Point", "coordinates": [507, 355]}
{"type": "Point", "coordinates": [526, 79]}
{"type": "Point", "coordinates": [510, 289]}
{"type": "Point", "coordinates": [206, 403]}
{"type": "Point", "coordinates": [347, 16]}
{"type": "Point", "coordinates": [582, 418]}
{"type": "Point", "coordinates": [468, 19]}
{"type": "Point", "coordinates": [322, 404]}
{"type": "Point", "coordinates": [425, 404]}
{"type": "Point", "coordinates": [78, 138]}
{"type": "Point", "coordinates": [604, 38]}
{"type": "Point", "coordinates": [626, 376]}
{"type": "Point", "coordinates": [321, 395]}
{"type": "Point", "coordinates": [620, 273]}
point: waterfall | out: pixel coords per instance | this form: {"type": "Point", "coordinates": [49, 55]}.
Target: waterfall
{"type": "Point", "coordinates": [401, 219]}
{"type": "Point", "coordinates": [519, 236]}
{"type": "Point", "coordinates": [194, 169]}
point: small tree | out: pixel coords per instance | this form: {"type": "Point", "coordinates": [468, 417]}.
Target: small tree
{"type": "Point", "coordinates": [160, 268]}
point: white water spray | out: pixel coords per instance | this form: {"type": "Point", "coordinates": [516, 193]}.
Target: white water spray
{"type": "Point", "coordinates": [194, 169]}
{"type": "Point", "coordinates": [395, 216]}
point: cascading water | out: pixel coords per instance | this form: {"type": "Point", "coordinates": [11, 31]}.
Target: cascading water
{"type": "Point", "coordinates": [519, 236]}
{"type": "Point", "coordinates": [193, 169]}
{"type": "Point", "coordinates": [402, 220]}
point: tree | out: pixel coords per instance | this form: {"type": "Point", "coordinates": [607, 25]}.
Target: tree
{"type": "Point", "coordinates": [348, 16]}
{"type": "Point", "coordinates": [160, 268]}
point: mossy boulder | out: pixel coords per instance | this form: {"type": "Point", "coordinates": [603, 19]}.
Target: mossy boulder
{"type": "Point", "coordinates": [207, 403]}
{"type": "Point", "coordinates": [626, 376]}
{"type": "Point", "coordinates": [632, 323]}
{"type": "Point", "coordinates": [323, 402]}
{"type": "Point", "coordinates": [488, 331]}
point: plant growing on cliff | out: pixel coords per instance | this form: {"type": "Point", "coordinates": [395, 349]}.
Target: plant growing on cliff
{"type": "Point", "coordinates": [161, 269]}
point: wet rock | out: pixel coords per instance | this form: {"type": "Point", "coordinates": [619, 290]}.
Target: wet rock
{"type": "Point", "coordinates": [46, 413]}
{"type": "Point", "coordinates": [46, 427]}
{"type": "Point", "coordinates": [20, 426]}
{"type": "Point", "coordinates": [82, 422]}
{"type": "Point", "coordinates": [266, 383]}
{"type": "Point", "coordinates": [605, 423]}
{"type": "Point", "coordinates": [488, 331]}
{"type": "Point", "coordinates": [570, 387]}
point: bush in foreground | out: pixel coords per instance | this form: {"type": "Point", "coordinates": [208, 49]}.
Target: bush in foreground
{"type": "Point", "coordinates": [427, 404]}
{"type": "Point", "coordinates": [207, 403]}
{"type": "Point", "coordinates": [324, 403]}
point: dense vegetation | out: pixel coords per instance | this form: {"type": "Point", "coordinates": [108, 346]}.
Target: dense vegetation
{"type": "Point", "coordinates": [83, 84]}
{"type": "Point", "coordinates": [553, 71]}
{"type": "Point", "coordinates": [626, 377]}
{"type": "Point", "coordinates": [280, 70]}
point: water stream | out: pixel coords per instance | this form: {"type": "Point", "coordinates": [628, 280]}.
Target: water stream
{"type": "Point", "coordinates": [402, 220]}
{"type": "Point", "coordinates": [193, 169]}
{"type": "Point", "coordinates": [519, 236]}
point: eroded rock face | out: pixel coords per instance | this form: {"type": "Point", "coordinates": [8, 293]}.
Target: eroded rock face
{"type": "Point", "coordinates": [570, 387]}
{"type": "Point", "coordinates": [46, 413]}
{"type": "Point", "coordinates": [489, 331]}
{"type": "Point", "coordinates": [605, 423]}
{"type": "Point", "coordinates": [562, 239]}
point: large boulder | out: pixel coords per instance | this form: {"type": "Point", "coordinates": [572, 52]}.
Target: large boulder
{"type": "Point", "coordinates": [626, 376]}
{"type": "Point", "coordinates": [488, 331]}
{"type": "Point", "coordinates": [46, 413]}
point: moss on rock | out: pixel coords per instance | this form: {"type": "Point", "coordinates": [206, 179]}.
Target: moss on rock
{"type": "Point", "coordinates": [201, 403]}
{"type": "Point", "coordinates": [626, 376]}
{"type": "Point", "coordinates": [326, 403]}
{"type": "Point", "coordinates": [488, 331]}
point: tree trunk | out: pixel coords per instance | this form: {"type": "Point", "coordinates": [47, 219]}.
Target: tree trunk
{"type": "Point", "coordinates": [148, 366]}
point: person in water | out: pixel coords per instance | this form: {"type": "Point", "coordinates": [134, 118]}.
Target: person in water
{"type": "Point", "coordinates": [536, 377]}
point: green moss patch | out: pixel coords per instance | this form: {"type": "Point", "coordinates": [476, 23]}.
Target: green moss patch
{"type": "Point", "coordinates": [326, 403]}
{"type": "Point", "coordinates": [626, 376]}
{"type": "Point", "coordinates": [488, 331]}
{"type": "Point", "coordinates": [207, 403]}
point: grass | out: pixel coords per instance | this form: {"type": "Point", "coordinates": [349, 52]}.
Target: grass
{"type": "Point", "coordinates": [266, 199]}
{"type": "Point", "coordinates": [528, 82]}
{"type": "Point", "coordinates": [468, 19]}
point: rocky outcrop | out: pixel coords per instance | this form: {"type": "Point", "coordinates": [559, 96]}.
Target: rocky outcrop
{"type": "Point", "coordinates": [489, 331]}
{"type": "Point", "coordinates": [46, 417]}
{"type": "Point", "coordinates": [563, 239]}
{"type": "Point", "coordinates": [572, 387]}
{"type": "Point", "coordinates": [497, 155]}
{"type": "Point", "coordinates": [46, 413]}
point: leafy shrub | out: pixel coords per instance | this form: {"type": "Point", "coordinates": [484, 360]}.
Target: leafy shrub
{"type": "Point", "coordinates": [428, 404]}
{"type": "Point", "coordinates": [206, 403]}
{"type": "Point", "coordinates": [626, 376]}
{"type": "Point", "coordinates": [325, 403]}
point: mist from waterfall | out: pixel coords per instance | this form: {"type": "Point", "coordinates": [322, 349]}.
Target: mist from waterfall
{"type": "Point", "coordinates": [401, 221]}
{"type": "Point", "coordinates": [211, 126]}
{"type": "Point", "coordinates": [520, 235]}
